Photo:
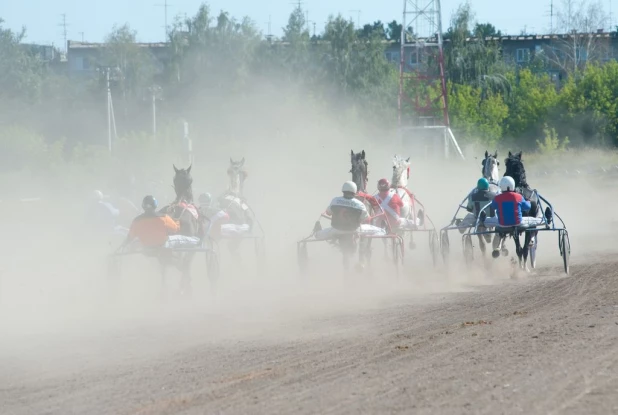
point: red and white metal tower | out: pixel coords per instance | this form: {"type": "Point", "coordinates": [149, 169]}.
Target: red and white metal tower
{"type": "Point", "coordinates": [423, 104]}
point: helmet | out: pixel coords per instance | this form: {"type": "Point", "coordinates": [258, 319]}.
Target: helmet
{"type": "Point", "coordinates": [507, 184]}
{"type": "Point", "coordinates": [349, 187]}
{"type": "Point", "coordinates": [482, 184]}
{"type": "Point", "coordinates": [97, 195]}
{"type": "Point", "coordinates": [205, 199]}
{"type": "Point", "coordinates": [149, 203]}
{"type": "Point", "coordinates": [383, 184]}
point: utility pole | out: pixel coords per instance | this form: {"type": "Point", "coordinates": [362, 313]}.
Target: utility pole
{"type": "Point", "coordinates": [165, 6]}
{"type": "Point", "coordinates": [155, 90]}
{"type": "Point", "coordinates": [111, 119]}
{"type": "Point", "coordinates": [269, 36]}
{"type": "Point", "coordinates": [82, 34]}
{"type": "Point", "coordinates": [64, 25]}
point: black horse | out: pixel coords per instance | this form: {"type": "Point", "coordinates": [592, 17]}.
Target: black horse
{"type": "Point", "coordinates": [515, 169]}
{"type": "Point", "coordinates": [184, 211]}
{"type": "Point", "coordinates": [359, 170]}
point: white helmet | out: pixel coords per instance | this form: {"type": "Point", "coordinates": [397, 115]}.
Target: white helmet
{"type": "Point", "coordinates": [97, 195]}
{"type": "Point", "coordinates": [349, 187]}
{"type": "Point", "coordinates": [507, 184]}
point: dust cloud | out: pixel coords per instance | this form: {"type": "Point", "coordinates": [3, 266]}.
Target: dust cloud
{"type": "Point", "coordinates": [55, 292]}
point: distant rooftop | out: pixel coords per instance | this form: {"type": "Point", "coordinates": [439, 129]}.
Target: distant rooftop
{"type": "Point", "coordinates": [72, 44]}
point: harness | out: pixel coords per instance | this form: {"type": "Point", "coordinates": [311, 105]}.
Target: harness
{"type": "Point", "coordinates": [385, 204]}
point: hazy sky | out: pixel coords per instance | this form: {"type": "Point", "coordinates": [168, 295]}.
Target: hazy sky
{"type": "Point", "coordinates": [95, 18]}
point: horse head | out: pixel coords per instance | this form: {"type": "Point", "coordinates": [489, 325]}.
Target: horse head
{"type": "Point", "coordinates": [359, 169]}
{"type": "Point", "coordinates": [183, 184]}
{"type": "Point", "coordinates": [490, 167]}
{"type": "Point", "coordinates": [515, 169]}
{"type": "Point", "coordinates": [237, 175]}
{"type": "Point", "coordinates": [401, 171]}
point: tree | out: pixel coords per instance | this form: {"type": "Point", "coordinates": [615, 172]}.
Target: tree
{"type": "Point", "coordinates": [533, 99]}
{"type": "Point", "coordinates": [393, 31]}
{"type": "Point", "coordinates": [21, 73]}
{"type": "Point", "coordinates": [577, 43]}
{"type": "Point", "coordinates": [297, 56]}
{"type": "Point", "coordinates": [474, 61]}
{"type": "Point", "coordinates": [369, 30]}
{"type": "Point", "coordinates": [485, 30]}
{"type": "Point", "coordinates": [136, 64]}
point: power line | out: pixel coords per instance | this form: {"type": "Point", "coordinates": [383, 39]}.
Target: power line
{"type": "Point", "coordinates": [64, 25]}
{"type": "Point", "coordinates": [165, 6]}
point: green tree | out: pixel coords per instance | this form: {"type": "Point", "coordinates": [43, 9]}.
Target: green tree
{"type": "Point", "coordinates": [136, 64]}
{"type": "Point", "coordinates": [533, 100]}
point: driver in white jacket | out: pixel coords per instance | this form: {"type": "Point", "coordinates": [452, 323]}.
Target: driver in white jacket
{"type": "Point", "coordinates": [347, 216]}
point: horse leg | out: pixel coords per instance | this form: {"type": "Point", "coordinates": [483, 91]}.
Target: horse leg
{"type": "Point", "coordinates": [518, 249]}
{"type": "Point", "coordinates": [526, 249]}
{"type": "Point", "coordinates": [481, 244]}
{"type": "Point", "coordinates": [412, 243]}
{"type": "Point", "coordinates": [497, 245]}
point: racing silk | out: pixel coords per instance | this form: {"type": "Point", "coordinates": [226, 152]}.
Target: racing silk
{"type": "Point", "coordinates": [153, 229]}
{"type": "Point", "coordinates": [236, 208]}
{"type": "Point", "coordinates": [391, 203]}
{"type": "Point", "coordinates": [216, 218]}
{"type": "Point", "coordinates": [510, 206]}
{"type": "Point", "coordinates": [478, 199]}
{"type": "Point", "coordinates": [347, 214]}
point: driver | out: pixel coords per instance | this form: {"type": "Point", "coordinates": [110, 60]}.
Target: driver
{"type": "Point", "coordinates": [347, 215]}
{"type": "Point", "coordinates": [154, 229]}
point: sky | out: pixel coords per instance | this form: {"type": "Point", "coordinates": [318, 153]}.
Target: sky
{"type": "Point", "coordinates": [93, 19]}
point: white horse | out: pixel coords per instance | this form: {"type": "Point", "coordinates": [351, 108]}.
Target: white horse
{"type": "Point", "coordinates": [491, 172]}
{"type": "Point", "coordinates": [401, 175]}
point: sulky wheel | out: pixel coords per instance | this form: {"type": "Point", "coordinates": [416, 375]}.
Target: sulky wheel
{"type": "Point", "coordinates": [445, 247]}
{"type": "Point", "coordinates": [565, 248]}
{"type": "Point", "coordinates": [397, 255]}
{"type": "Point", "coordinates": [533, 249]}
{"type": "Point", "coordinates": [434, 247]}
{"type": "Point", "coordinates": [468, 249]}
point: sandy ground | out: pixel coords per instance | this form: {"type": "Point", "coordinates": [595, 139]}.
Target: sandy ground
{"type": "Point", "coordinates": [534, 345]}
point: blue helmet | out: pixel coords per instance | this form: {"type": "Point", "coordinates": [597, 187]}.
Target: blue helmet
{"type": "Point", "coordinates": [149, 204]}
{"type": "Point", "coordinates": [482, 184]}
{"type": "Point", "coordinates": [205, 199]}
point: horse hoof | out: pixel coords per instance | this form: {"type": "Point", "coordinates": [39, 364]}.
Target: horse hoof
{"type": "Point", "coordinates": [495, 254]}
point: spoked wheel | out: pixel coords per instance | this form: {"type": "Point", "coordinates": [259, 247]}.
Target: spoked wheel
{"type": "Point", "coordinates": [532, 250]}
{"type": "Point", "coordinates": [434, 247]}
{"type": "Point", "coordinates": [302, 257]}
{"type": "Point", "coordinates": [445, 246]}
{"type": "Point", "coordinates": [398, 247]}
{"type": "Point", "coordinates": [212, 268]}
{"type": "Point", "coordinates": [565, 250]}
{"type": "Point", "coordinates": [468, 250]}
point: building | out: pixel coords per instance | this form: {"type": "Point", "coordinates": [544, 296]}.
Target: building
{"type": "Point", "coordinates": [84, 58]}
{"type": "Point", "coordinates": [560, 53]}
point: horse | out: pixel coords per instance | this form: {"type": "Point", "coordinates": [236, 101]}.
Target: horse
{"type": "Point", "coordinates": [399, 182]}
{"type": "Point", "coordinates": [233, 201]}
{"type": "Point", "coordinates": [360, 176]}
{"type": "Point", "coordinates": [515, 169]}
{"type": "Point", "coordinates": [490, 171]}
{"type": "Point", "coordinates": [359, 170]}
{"type": "Point", "coordinates": [185, 212]}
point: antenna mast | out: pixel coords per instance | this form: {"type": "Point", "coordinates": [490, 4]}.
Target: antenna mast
{"type": "Point", "coordinates": [421, 69]}
{"type": "Point", "coordinates": [64, 25]}
{"type": "Point", "coordinates": [165, 6]}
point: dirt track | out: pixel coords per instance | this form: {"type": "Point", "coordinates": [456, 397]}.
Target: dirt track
{"type": "Point", "coordinates": [543, 345]}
